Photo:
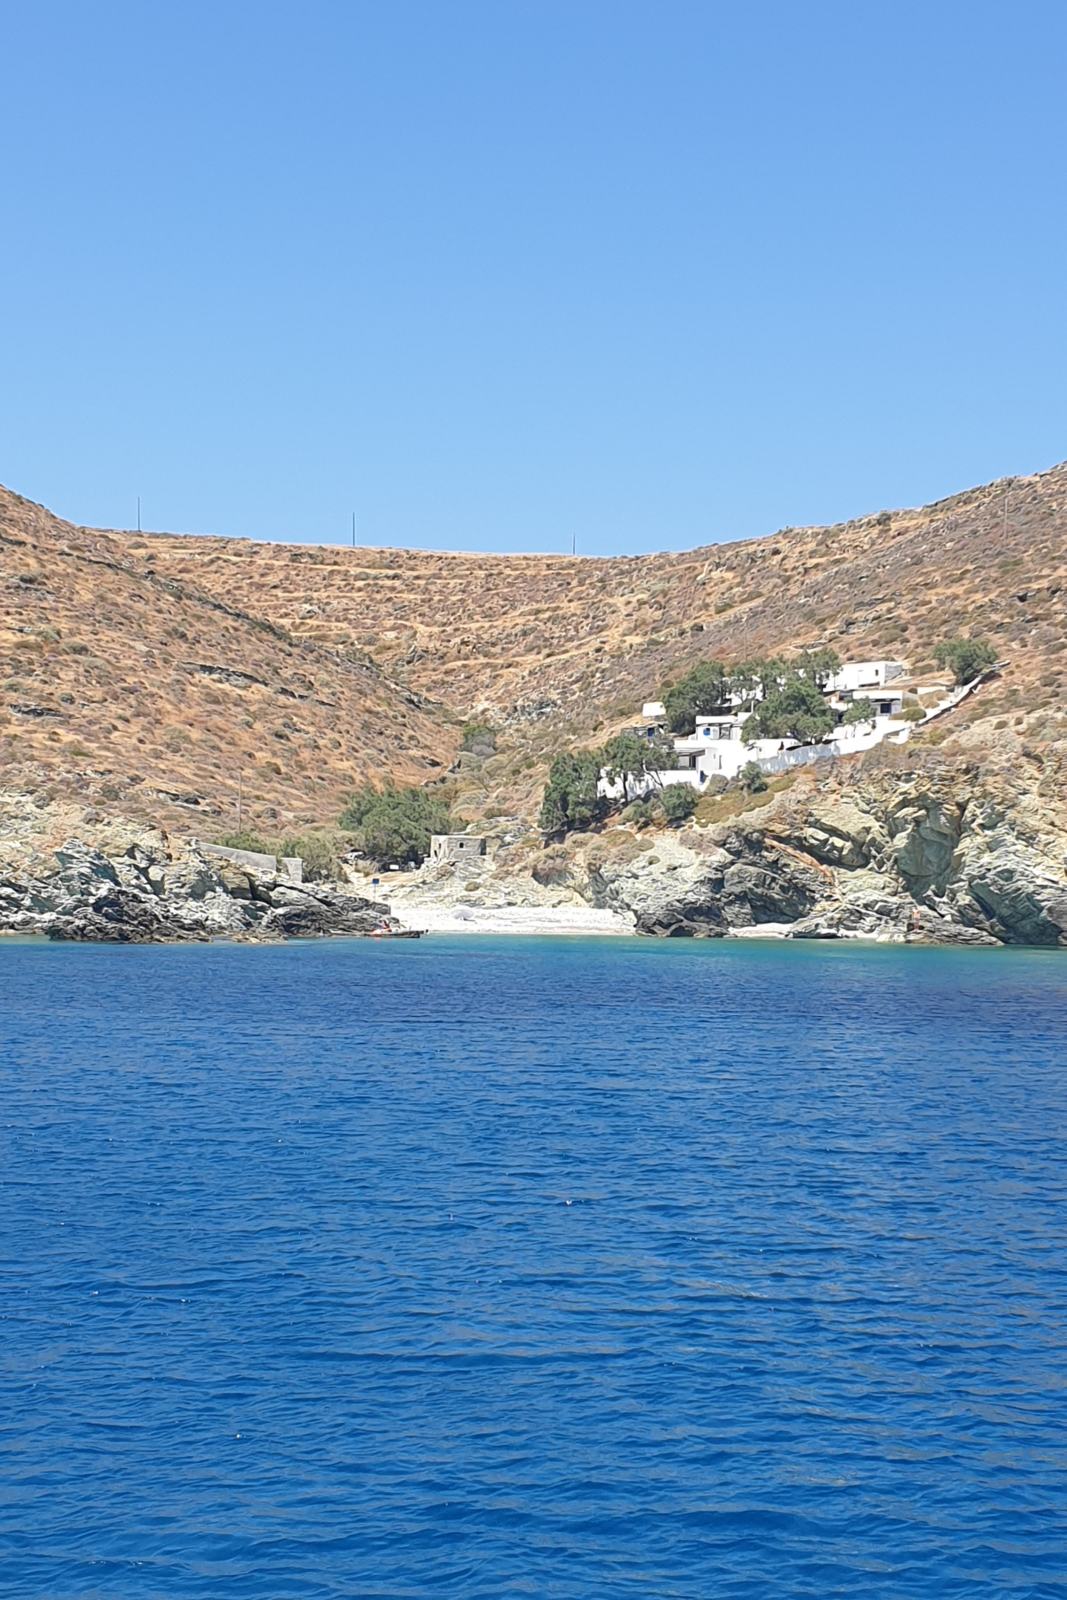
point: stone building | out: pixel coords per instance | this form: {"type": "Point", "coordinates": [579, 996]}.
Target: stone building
{"type": "Point", "coordinates": [455, 846]}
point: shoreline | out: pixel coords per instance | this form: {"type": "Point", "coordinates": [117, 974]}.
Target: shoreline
{"type": "Point", "coordinates": [578, 921]}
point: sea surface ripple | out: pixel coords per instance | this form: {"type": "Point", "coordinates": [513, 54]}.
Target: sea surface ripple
{"type": "Point", "coordinates": [487, 1267]}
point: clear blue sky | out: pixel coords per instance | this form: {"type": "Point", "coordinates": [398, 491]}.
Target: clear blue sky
{"type": "Point", "coordinates": [655, 274]}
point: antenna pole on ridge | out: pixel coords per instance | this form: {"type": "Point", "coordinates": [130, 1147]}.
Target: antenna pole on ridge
{"type": "Point", "coordinates": [138, 513]}
{"type": "Point", "coordinates": [353, 530]}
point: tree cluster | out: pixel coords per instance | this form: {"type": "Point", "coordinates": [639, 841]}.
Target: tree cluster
{"type": "Point", "coordinates": [395, 824]}
{"type": "Point", "coordinates": [571, 802]}
{"type": "Point", "coordinates": [713, 686]}
{"type": "Point", "coordinates": [796, 709]}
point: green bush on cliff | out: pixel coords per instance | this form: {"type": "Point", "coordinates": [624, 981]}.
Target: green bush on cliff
{"type": "Point", "coordinates": [679, 802]}
{"type": "Point", "coordinates": [245, 839]}
{"type": "Point", "coordinates": [639, 814]}
{"type": "Point", "coordinates": [320, 853]}
{"type": "Point", "coordinates": [752, 778]}
{"type": "Point", "coordinates": [966, 657]}
{"type": "Point", "coordinates": [478, 738]}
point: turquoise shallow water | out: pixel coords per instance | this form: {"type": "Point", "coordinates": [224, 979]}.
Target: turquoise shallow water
{"type": "Point", "coordinates": [534, 1268]}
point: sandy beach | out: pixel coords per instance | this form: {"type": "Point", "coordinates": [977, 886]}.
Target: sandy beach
{"type": "Point", "coordinates": [433, 917]}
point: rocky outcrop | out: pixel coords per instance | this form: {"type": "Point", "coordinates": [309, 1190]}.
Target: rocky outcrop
{"type": "Point", "coordinates": [147, 896]}
{"type": "Point", "coordinates": [689, 886]}
{"type": "Point", "coordinates": [939, 853]}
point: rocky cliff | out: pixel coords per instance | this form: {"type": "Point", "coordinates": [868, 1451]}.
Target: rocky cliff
{"type": "Point", "coordinates": [906, 846]}
{"type": "Point", "coordinates": [147, 894]}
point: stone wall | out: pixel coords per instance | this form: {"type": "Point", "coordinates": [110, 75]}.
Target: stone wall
{"type": "Point", "coordinates": [289, 868]}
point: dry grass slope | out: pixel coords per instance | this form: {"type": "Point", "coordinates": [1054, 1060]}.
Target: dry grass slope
{"type": "Point", "coordinates": [559, 649]}
{"type": "Point", "coordinates": [155, 665]}
{"type": "Point", "coordinates": [139, 691]}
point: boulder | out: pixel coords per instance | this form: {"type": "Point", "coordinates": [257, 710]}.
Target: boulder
{"type": "Point", "coordinates": [118, 916]}
{"type": "Point", "coordinates": [326, 913]}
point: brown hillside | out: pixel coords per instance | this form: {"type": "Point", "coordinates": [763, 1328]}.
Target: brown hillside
{"type": "Point", "coordinates": [514, 632]}
{"type": "Point", "coordinates": [557, 648]}
{"type": "Point", "coordinates": [162, 665]}
{"type": "Point", "coordinates": [133, 688]}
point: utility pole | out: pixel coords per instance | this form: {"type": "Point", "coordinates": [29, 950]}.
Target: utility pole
{"type": "Point", "coordinates": [574, 544]}
{"type": "Point", "coordinates": [138, 513]}
{"type": "Point", "coordinates": [353, 530]}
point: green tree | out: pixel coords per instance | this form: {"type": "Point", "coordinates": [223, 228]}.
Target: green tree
{"type": "Point", "coordinates": [794, 710]}
{"type": "Point", "coordinates": [629, 756]}
{"type": "Point", "coordinates": [744, 682]}
{"type": "Point", "coordinates": [752, 778]}
{"type": "Point", "coordinates": [679, 801]}
{"type": "Point", "coordinates": [859, 711]}
{"type": "Point", "coordinates": [966, 657]}
{"type": "Point", "coordinates": [394, 824]}
{"type": "Point", "coordinates": [818, 666]}
{"type": "Point", "coordinates": [770, 671]}
{"type": "Point", "coordinates": [320, 854]}
{"type": "Point", "coordinates": [703, 690]}
{"type": "Point", "coordinates": [570, 799]}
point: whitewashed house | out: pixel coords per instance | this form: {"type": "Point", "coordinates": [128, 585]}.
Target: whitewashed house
{"type": "Point", "coordinates": [855, 678]}
{"type": "Point", "coordinates": [718, 748]}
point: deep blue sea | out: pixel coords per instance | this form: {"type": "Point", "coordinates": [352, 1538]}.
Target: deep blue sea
{"type": "Point", "coordinates": [485, 1267]}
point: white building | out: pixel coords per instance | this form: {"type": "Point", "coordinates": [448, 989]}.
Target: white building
{"type": "Point", "coordinates": [717, 747]}
{"type": "Point", "coordinates": [887, 702]}
{"type": "Point", "coordinates": [456, 847]}
{"type": "Point", "coordinates": [856, 677]}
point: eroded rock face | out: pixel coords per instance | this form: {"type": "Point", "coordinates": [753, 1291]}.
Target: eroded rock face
{"type": "Point", "coordinates": [144, 896]}
{"type": "Point", "coordinates": [326, 913]}
{"type": "Point", "coordinates": [939, 859]}
{"type": "Point", "coordinates": [679, 889]}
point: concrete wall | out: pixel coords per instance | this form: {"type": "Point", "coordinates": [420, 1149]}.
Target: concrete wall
{"type": "Point", "coordinates": [257, 862]}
